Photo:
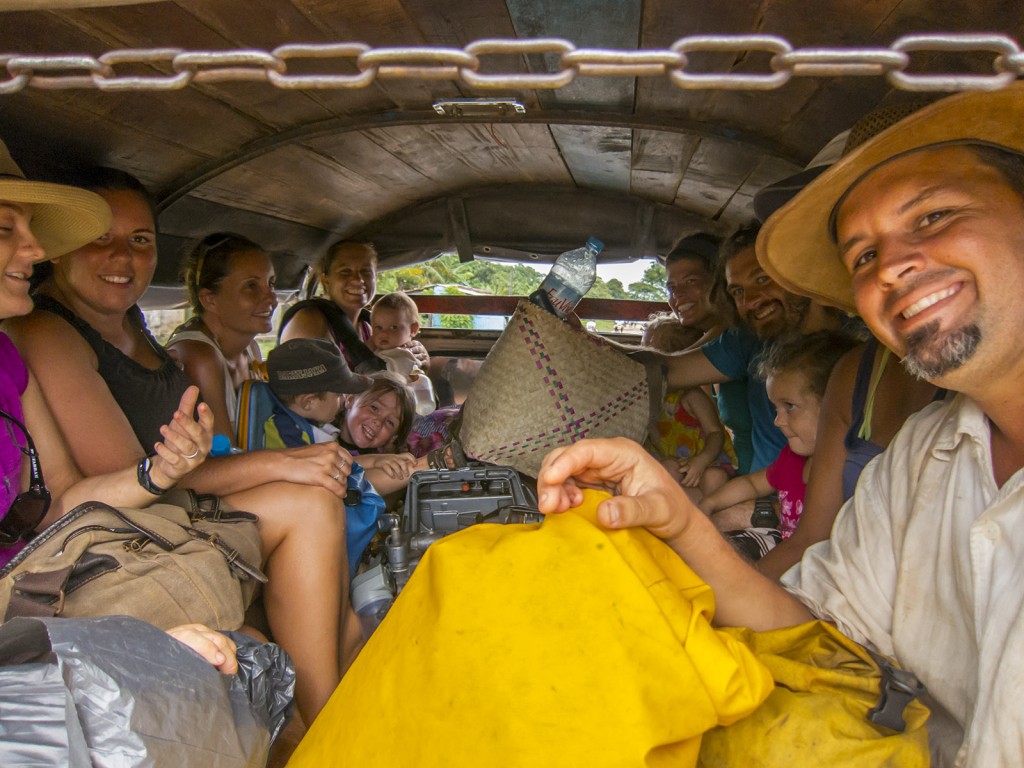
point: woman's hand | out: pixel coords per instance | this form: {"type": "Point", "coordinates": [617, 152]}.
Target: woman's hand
{"type": "Point", "coordinates": [645, 494]}
{"type": "Point", "coordinates": [186, 440]}
{"type": "Point", "coordinates": [419, 352]}
{"type": "Point", "coordinates": [327, 465]}
{"type": "Point", "coordinates": [218, 649]}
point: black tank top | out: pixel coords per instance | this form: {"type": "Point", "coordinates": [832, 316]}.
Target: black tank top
{"type": "Point", "coordinates": [147, 397]}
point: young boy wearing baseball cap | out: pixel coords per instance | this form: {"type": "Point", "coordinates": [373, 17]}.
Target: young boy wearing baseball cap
{"type": "Point", "coordinates": [308, 378]}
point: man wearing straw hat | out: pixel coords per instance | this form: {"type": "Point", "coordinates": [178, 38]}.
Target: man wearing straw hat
{"type": "Point", "coordinates": [921, 230]}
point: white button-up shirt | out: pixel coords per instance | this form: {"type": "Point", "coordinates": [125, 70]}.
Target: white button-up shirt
{"type": "Point", "coordinates": [926, 564]}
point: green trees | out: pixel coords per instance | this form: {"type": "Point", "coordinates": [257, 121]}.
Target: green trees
{"type": "Point", "coordinates": [510, 279]}
{"type": "Point", "coordinates": [651, 286]}
{"type": "Point", "coordinates": [499, 279]}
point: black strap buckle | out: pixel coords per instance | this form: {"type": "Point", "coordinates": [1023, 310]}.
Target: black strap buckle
{"type": "Point", "coordinates": [898, 688]}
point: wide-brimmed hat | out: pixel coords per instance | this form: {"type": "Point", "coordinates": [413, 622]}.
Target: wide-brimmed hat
{"type": "Point", "coordinates": [796, 245]}
{"type": "Point", "coordinates": [63, 218]}
{"type": "Point", "coordinates": [310, 366]}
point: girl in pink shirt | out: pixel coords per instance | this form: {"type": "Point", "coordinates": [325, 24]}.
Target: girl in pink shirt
{"type": "Point", "coordinates": [796, 371]}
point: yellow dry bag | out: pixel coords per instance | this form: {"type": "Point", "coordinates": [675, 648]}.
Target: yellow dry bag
{"type": "Point", "coordinates": [536, 645]}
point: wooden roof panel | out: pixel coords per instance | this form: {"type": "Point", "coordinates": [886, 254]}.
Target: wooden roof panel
{"type": "Point", "coordinates": [739, 209]}
{"type": "Point", "coordinates": [504, 151]}
{"type": "Point", "coordinates": [219, 26]}
{"type": "Point", "coordinates": [362, 155]}
{"type": "Point", "coordinates": [81, 137]}
{"type": "Point", "coordinates": [296, 184]}
{"type": "Point", "coordinates": [664, 22]}
{"type": "Point", "coordinates": [598, 157]}
{"type": "Point", "coordinates": [659, 162]}
{"type": "Point", "coordinates": [716, 172]}
{"type": "Point", "coordinates": [587, 24]}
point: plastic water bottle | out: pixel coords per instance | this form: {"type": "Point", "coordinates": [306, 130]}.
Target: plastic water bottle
{"type": "Point", "coordinates": [222, 446]}
{"type": "Point", "coordinates": [569, 279]}
{"type": "Point", "coordinates": [424, 391]}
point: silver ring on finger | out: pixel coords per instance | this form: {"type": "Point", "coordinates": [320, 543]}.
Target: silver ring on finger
{"type": "Point", "coordinates": [193, 454]}
{"type": "Point", "coordinates": [336, 476]}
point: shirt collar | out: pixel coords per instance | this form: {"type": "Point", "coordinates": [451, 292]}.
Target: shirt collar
{"type": "Point", "coordinates": [965, 421]}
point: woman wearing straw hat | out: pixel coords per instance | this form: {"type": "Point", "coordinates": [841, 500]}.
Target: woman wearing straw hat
{"type": "Point", "coordinates": [921, 229]}
{"type": "Point", "coordinates": [107, 382]}
{"type": "Point", "coordinates": [39, 221]}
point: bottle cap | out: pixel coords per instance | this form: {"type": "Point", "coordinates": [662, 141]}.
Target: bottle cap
{"type": "Point", "coordinates": [594, 243]}
{"type": "Point", "coordinates": [221, 445]}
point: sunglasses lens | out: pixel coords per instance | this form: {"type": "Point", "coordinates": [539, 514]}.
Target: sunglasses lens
{"type": "Point", "coordinates": [24, 515]}
{"type": "Point", "coordinates": [29, 508]}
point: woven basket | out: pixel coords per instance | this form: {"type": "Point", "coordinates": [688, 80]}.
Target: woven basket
{"type": "Point", "coordinates": [546, 384]}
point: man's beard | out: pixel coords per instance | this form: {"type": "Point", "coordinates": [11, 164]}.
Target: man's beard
{"type": "Point", "coordinates": [930, 355]}
{"type": "Point", "coordinates": [794, 310]}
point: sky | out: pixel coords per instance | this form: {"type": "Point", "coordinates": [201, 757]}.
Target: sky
{"type": "Point", "coordinates": [626, 273]}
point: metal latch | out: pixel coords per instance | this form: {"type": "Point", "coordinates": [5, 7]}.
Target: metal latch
{"type": "Point", "coordinates": [898, 688]}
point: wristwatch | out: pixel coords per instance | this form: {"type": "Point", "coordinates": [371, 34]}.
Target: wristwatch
{"type": "Point", "coordinates": [764, 515]}
{"type": "Point", "coordinates": [145, 480]}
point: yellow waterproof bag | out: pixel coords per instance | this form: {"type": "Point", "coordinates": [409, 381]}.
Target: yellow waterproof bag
{"type": "Point", "coordinates": [533, 645]}
{"type": "Point", "coordinates": [826, 684]}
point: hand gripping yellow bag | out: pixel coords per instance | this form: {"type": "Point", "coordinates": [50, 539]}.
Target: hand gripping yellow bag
{"type": "Point", "coordinates": [537, 645]}
{"type": "Point", "coordinates": [818, 712]}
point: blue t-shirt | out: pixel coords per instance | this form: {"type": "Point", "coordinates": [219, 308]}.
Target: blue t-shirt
{"type": "Point", "coordinates": [735, 353]}
{"type": "Point", "coordinates": [734, 410]}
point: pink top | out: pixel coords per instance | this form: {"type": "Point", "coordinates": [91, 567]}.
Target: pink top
{"type": "Point", "coordinates": [13, 380]}
{"type": "Point", "coordinates": [786, 475]}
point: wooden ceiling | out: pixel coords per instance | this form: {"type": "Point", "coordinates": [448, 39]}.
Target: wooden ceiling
{"type": "Point", "coordinates": [636, 161]}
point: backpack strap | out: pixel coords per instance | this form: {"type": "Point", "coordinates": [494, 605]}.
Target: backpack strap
{"type": "Point", "coordinates": [360, 357]}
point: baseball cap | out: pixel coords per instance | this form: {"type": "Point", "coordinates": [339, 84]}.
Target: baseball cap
{"type": "Point", "coordinates": [302, 366]}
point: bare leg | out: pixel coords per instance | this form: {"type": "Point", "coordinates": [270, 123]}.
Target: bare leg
{"type": "Point", "coordinates": [695, 494]}
{"type": "Point", "coordinates": [713, 479]}
{"type": "Point", "coordinates": [735, 517]}
{"type": "Point", "coordinates": [303, 533]}
{"type": "Point", "coordinates": [352, 640]}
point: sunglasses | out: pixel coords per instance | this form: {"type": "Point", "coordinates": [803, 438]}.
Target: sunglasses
{"type": "Point", "coordinates": [28, 508]}
{"type": "Point", "coordinates": [208, 245]}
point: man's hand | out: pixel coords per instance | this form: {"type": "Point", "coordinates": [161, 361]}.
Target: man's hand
{"type": "Point", "coordinates": [645, 494]}
{"type": "Point", "coordinates": [419, 352]}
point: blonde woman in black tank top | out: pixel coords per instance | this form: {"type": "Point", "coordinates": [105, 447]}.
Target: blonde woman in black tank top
{"type": "Point", "coordinates": [297, 493]}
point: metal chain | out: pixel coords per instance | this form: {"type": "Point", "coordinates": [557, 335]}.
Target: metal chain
{"type": "Point", "coordinates": [175, 68]}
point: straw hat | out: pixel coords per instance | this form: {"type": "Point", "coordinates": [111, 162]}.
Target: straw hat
{"type": "Point", "coordinates": [796, 246]}
{"type": "Point", "coordinates": [64, 218]}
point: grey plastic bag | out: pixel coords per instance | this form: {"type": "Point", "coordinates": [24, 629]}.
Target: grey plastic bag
{"type": "Point", "coordinates": [115, 691]}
